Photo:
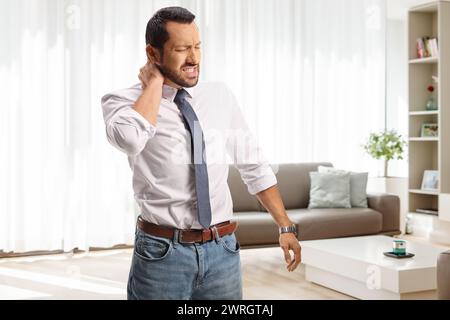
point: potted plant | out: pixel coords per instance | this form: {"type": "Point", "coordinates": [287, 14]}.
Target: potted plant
{"type": "Point", "coordinates": [387, 145]}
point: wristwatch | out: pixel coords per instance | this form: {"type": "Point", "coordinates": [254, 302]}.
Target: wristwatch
{"type": "Point", "coordinates": [291, 229]}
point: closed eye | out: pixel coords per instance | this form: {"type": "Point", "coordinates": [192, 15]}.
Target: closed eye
{"type": "Point", "coordinates": [181, 49]}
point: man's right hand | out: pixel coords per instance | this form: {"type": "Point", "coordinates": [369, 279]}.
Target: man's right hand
{"type": "Point", "coordinates": [150, 73]}
{"type": "Point", "coordinates": [148, 103]}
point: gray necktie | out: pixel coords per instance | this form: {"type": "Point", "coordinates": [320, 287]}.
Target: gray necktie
{"type": "Point", "coordinates": [197, 147]}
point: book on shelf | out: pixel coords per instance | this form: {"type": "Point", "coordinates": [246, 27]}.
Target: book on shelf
{"type": "Point", "coordinates": [427, 47]}
{"type": "Point", "coordinates": [427, 211]}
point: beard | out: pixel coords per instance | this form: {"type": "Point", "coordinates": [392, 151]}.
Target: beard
{"type": "Point", "coordinates": [176, 76]}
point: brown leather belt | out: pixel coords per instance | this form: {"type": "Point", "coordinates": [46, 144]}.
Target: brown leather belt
{"type": "Point", "coordinates": [187, 236]}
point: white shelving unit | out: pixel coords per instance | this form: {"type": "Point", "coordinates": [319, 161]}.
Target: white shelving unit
{"type": "Point", "coordinates": [429, 153]}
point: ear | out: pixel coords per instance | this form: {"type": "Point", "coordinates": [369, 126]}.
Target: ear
{"type": "Point", "coordinates": [153, 54]}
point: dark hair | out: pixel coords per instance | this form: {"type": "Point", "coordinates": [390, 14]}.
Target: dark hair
{"type": "Point", "coordinates": [156, 34]}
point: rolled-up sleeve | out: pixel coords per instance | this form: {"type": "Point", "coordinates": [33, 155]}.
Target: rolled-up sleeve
{"type": "Point", "coordinates": [245, 152]}
{"type": "Point", "coordinates": [126, 129]}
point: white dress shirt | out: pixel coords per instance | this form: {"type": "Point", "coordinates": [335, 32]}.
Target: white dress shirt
{"type": "Point", "coordinates": [160, 156]}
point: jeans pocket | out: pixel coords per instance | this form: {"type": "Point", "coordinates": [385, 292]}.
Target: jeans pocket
{"type": "Point", "coordinates": [152, 248]}
{"type": "Point", "coordinates": [230, 243]}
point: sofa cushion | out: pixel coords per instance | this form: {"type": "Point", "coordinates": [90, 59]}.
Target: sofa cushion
{"type": "Point", "coordinates": [259, 228]}
{"type": "Point", "coordinates": [358, 186]}
{"type": "Point", "coordinates": [256, 228]}
{"type": "Point", "coordinates": [294, 183]}
{"type": "Point", "coordinates": [333, 223]}
{"type": "Point", "coordinates": [329, 190]}
{"type": "Point", "coordinates": [242, 199]}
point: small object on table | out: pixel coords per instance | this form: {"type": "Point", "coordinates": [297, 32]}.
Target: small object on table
{"type": "Point", "coordinates": [399, 247]}
{"type": "Point", "coordinates": [398, 250]}
{"type": "Point", "coordinates": [399, 256]}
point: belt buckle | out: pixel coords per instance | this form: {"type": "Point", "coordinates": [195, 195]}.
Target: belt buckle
{"type": "Point", "coordinates": [204, 235]}
{"type": "Point", "coordinates": [180, 238]}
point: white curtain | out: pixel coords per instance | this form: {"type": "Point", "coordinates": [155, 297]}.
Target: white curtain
{"type": "Point", "coordinates": [309, 74]}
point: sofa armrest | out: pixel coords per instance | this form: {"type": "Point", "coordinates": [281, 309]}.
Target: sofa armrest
{"type": "Point", "coordinates": [443, 276]}
{"type": "Point", "coordinates": [389, 206]}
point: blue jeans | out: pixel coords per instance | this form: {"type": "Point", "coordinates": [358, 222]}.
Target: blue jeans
{"type": "Point", "coordinates": [164, 268]}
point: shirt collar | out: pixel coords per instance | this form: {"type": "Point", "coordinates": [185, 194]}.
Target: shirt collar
{"type": "Point", "coordinates": [169, 92]}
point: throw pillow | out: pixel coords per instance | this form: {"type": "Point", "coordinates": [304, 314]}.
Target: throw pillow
{"type": "Point", "coordinates": [358, 186]}
{"type": "Point", "coordinates": [329, 190]}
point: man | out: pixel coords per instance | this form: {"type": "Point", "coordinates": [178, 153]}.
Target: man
{"type": "Point", "coordinates": [174, 131]}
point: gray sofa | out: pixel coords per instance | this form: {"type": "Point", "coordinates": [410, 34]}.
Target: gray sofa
{"type": "Point", "coordinates": [443, 276]}
{"type": "Point", "coordinates": [256, 227]}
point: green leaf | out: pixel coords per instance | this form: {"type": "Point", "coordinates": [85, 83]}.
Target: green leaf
{"type": "Point", "coordinates": [387, 145]}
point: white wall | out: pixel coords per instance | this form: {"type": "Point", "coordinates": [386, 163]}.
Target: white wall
{"type": "Point", "coordinates": [396, 88]}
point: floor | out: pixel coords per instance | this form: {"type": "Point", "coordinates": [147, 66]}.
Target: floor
{"type": "Point", "coordinates": [103, 275]}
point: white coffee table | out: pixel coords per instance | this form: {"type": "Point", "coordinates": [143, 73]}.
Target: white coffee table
{"type": "Point", "coordinates": [356, 266]}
